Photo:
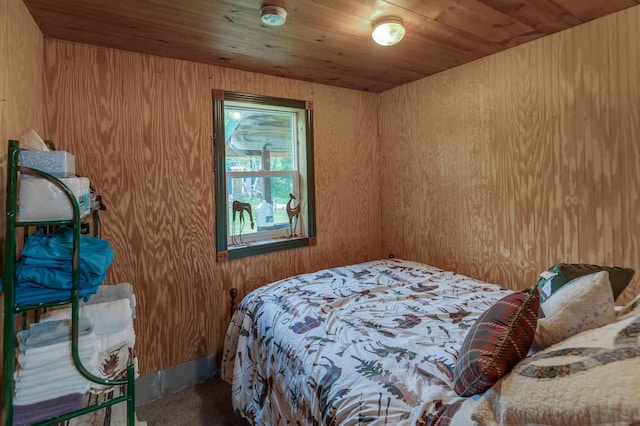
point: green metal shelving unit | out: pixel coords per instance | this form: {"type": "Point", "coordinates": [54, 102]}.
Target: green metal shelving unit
{"type": "Point", "coordinates": [12, 310]}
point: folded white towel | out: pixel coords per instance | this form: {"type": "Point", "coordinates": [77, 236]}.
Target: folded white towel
{"type": "Point", "coordinates": [43, 367]}
{"type": "Point", "coordinates": [36, 394]}
{"type": "Point", "coordinates": [59, 375]}
{"type": "Point", "coordinates": [34, 357]}
{"type": "Point", "coordinates": [106, 341]}
{"type": "Point", "coordinates": [48, 333]}
{"type": "Point", "coordinates": [107, 317]}
{"type": "Point", "coordinates": [109, 293]}
{"type": "Point", "coordinates": [52, 385]}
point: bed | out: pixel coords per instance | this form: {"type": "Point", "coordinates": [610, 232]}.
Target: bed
{"type": "Point", "coordinates": [394, 342]}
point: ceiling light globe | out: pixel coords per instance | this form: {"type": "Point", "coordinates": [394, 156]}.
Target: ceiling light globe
{"type": "Point", "coordinates": [388, 32]}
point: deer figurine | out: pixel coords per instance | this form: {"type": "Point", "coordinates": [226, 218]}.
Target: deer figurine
{"type": "Point", "coordinates": [294, 214]}
{"type": "Point", "coordinates": [241, 207]}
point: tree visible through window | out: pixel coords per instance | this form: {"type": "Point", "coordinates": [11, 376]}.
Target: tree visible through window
{"type": "Point", "coordinates": [264, 174]}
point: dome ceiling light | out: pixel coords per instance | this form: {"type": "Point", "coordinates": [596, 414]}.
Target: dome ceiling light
{"type": "Point", "coordinates": [273, 16]}
{"type": "Point", "coordinates": [388, 31]}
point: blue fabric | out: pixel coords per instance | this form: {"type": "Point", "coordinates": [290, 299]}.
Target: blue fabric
{"type": "Point", "coordinates": [43, 272]}
{"type": "Point", "coordinates": [27, 295]}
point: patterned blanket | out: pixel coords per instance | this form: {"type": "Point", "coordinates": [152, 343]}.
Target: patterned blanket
{"type": "Point", "coordinates": [372, 343]}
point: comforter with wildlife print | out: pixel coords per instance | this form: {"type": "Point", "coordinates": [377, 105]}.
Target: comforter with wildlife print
{"type": "Point", "coordinates": [372, 343]}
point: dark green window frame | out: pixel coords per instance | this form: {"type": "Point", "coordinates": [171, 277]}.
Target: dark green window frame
{"type": "Point", "coordinates": [225, 253]}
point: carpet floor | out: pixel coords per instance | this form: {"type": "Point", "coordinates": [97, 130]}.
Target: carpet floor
{"type": "Point", "coordinates": [206, 404]}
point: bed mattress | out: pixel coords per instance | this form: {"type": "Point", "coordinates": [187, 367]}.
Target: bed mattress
{"type": "Point", "coordinates": [372, 343]}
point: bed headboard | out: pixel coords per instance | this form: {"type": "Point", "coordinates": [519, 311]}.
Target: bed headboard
{"type": "Point", "coordinates": [234, 295]}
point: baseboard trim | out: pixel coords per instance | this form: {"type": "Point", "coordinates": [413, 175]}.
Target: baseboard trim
{"type": "Point", "coordinates": [176, 378]}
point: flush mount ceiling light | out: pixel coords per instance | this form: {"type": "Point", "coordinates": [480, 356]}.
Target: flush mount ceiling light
{"type": "Point", "coordinates": [388, 31]}
{"type": "Point", "coordinates": [273, 16]}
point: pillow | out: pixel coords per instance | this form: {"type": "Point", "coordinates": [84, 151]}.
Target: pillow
{"type": "Point", "coordinates": [500, 338]}
{"type": "Point", "coordinates": [560, 274]}
{"type": "Point", "coordinates": [591, 378]}
{"type": "Point", "coordinates": [581, 304]}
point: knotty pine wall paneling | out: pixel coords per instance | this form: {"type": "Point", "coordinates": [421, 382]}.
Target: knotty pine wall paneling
{"type": "Point", "coordinates": [141, 128]}
{"type": "Point", "coordinates": [500, 168]}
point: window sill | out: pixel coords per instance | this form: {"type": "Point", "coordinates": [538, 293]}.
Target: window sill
{"type": "Point", "coordinates": [264, 247]}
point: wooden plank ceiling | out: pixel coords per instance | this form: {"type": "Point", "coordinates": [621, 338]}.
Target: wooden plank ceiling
{"type": "Point", "coordinates": [323, 41]}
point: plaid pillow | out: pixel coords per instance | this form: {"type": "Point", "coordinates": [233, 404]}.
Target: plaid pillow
{"type": "Point", "coordinates": [499, 339]}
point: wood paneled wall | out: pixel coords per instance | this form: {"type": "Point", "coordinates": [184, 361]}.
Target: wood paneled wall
{"type": "Point", "coordinates": [21, 84]}
{"type": "Point", "coordinates": [500, 168]}
{"type": "Point", "coordinates": [21, 94]}
{"type": "Point", "coordinates": [141, 129]}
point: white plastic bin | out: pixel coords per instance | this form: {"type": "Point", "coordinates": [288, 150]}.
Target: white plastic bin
{"type": "Point", "coordinates": [43, 200]}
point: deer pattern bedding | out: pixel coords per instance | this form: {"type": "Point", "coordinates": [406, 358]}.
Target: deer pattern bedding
{"type": "Point", "coordinates": [372, 343]}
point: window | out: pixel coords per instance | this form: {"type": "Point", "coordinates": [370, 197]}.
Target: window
{"type": "Point", "coordinates": [263, 149]}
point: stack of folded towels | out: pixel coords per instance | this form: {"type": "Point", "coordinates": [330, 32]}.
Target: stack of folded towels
{"type": "Point", "coordinates": [47, 382]}
{"type": "Point", "coordinates": [111, 312]}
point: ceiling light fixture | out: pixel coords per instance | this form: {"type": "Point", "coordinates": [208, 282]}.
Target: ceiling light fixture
{"type": "Point", "coordinates": [388, 31]}
{"type": "Point", "coordinates": [273, 16]}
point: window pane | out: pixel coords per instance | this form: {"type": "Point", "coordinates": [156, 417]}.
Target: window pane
{"type": "Point", "coordinates": [259, 139]}
{"type": "Point", "coordinates": [266, 198]}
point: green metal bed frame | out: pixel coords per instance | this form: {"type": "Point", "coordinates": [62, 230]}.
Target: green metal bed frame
{"type": "Point", "coordinates": [12, 310]}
